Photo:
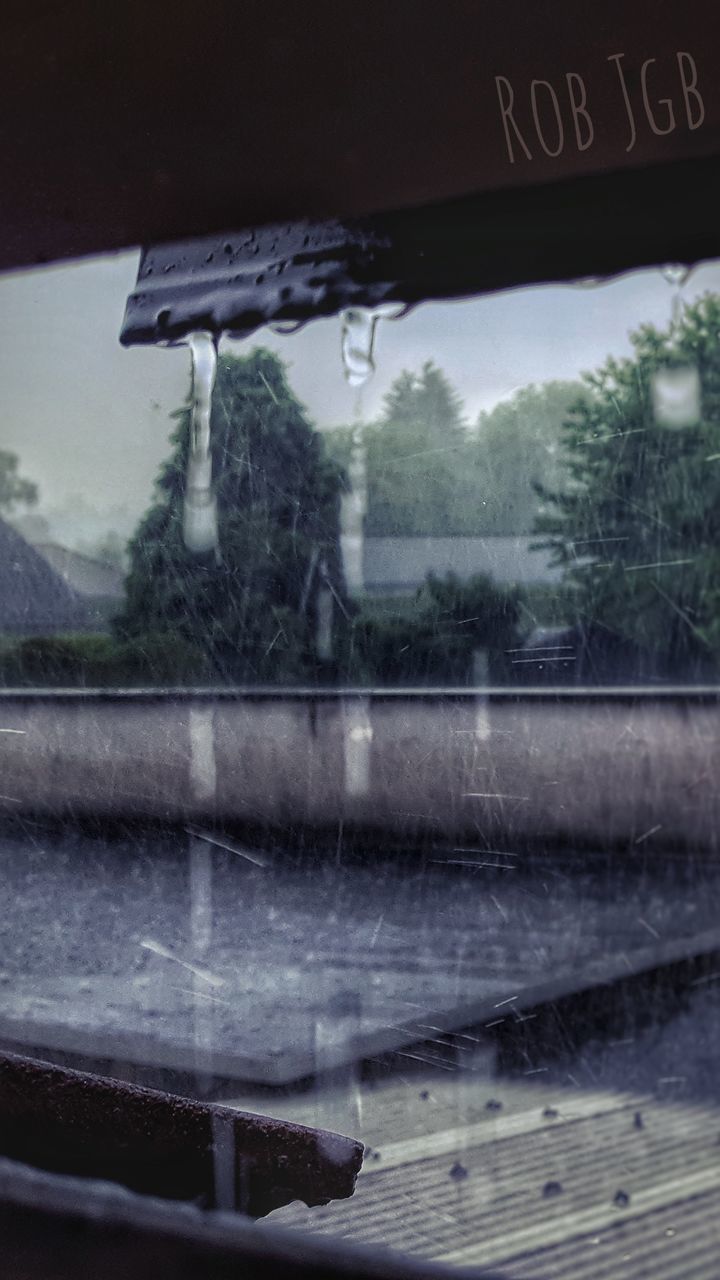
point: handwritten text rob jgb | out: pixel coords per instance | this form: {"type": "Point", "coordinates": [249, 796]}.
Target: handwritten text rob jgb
{"type": "Point", "coordinates": [560, 117]}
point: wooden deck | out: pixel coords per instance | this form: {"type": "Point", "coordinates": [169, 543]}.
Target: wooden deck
{"type": "Point", "coordinates": [591, 1169]}
{"type": "Point", "coordinates": [545, 1183]}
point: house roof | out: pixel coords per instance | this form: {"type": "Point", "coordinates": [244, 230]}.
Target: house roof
{"type": "Point", "coordinates": [34, 599]}
{"type": "Point", "coordinates": [87, 575]}
{"type": "Point", "coordinates": [402, 564]}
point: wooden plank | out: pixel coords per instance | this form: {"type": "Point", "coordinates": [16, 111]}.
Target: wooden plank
{"type": "Point", "coordinates": [677, 1242]}
{"type": "Point", "coordinates": [429, 1146]}
{"type": "Point", "coordinates": [648, 1200]}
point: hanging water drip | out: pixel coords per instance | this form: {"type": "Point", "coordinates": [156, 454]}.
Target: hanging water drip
{"type": "Point", "coordinates": [199, 524]}
{"type": "Point", "coordinates": [675, 389]}
{"type": "Point", "coordinates": [285, 326]}
{"type": "Point", "coordinates": [675, 273]}
{"type": "Point", "coordinates": [358, 338]}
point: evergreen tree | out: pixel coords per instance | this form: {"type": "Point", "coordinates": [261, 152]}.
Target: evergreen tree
{"type": "Point", "coordinates": [252, 610]}
{"type": "Point", "coordinates": [417, 453]}
{"type": "Point", "coordinates": [519, 449]}
{"type": "Point", "coordinates": [429, 475]}
{"type": "Point", "coordinates": [416, 483]}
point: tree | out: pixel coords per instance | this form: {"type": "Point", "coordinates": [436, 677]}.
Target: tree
{"type": "Point", "coordinates": [430, 475]}
{"type": "Point", "coordinates": [15, 490]}
{"type": "Point", "coordinates": [251, 612]}
{"type": "Point", "coordinates": [416, 460]}
{"type": "Point", "coordinates": [636, 525]}
{"type": "Point", "coordinates": [519, 449]}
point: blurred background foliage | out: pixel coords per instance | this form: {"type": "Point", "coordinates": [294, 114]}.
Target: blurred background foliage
{"type": "Point", "coordinates": [627, 508]}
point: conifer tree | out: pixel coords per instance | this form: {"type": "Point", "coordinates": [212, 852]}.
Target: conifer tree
{"type": "Point", "coordinates": [251, 610]}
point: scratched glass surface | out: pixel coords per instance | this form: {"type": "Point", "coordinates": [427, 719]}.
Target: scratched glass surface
{"type": "Point", "coordinates": [358, 722]}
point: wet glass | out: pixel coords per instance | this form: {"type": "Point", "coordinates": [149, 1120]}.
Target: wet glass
{"type": "Point", "coordinates": [359, 735]}
{"type": "Point", "coordinates": [524, 487]}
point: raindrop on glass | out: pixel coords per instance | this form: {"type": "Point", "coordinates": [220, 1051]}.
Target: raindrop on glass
{"type": "Point", "coordinates": [391, 310]}
{"type": "Point", "coordinates": [358, 337]}
{"type": "Point", "coordinates": [675, 273]}
{"type": "Point", "coordinates": [285, 326]}
{"type": "Point", "coordinates": [353, 509]}
{"type": "Point", "coordinates": [675, 392]}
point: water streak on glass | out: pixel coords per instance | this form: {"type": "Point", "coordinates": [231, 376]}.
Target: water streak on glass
{"type": "Point", "coordinates": [353, 508]}
{"type": "Point", "coordinates": [675, 387]}
{"type": "Point", "coordinates": [224, 1161]}
{"type": "Point", "coordinates": [325, 610]}
{"type": "Point", "coordinates": [203, 1009]}
{"type": "Point", "coordinates": [200, 528]}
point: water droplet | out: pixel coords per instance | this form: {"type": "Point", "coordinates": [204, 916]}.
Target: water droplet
{"type": "Point", "coordinates": [552, 1188]}
{"type": "Point", "coordinates": [675, 273]}
{"type": "Point", "coordinates": [675, 393]}
{"type": "Point", "coordinates": [358, 339]}
{"type": "Point", "coordinates": [200, 531]}
{"type": "Point", "coordinates": [285, 326]}
{"type": "Point", "coordinates": [391, 310]}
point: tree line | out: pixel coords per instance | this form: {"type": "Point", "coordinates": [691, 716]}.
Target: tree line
{"type": "Point", "coordinates": [628, 508]}
{"type": "Point", "coordinates": [431, 474]}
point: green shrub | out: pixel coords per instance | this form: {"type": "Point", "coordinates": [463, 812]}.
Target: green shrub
{"type": "Point", "coordinates": [428, 641]}
{"type": "Point", "coordinates": [99, 661]}
{"type": "Point", "coordinates": [434, 643]}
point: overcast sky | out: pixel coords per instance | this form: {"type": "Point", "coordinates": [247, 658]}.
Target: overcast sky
{"type": "Point", "coordinates": [90, 418]}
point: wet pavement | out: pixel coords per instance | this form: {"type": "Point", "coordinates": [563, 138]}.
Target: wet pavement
{"type": "Point", "coordinates": [170, 949]}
